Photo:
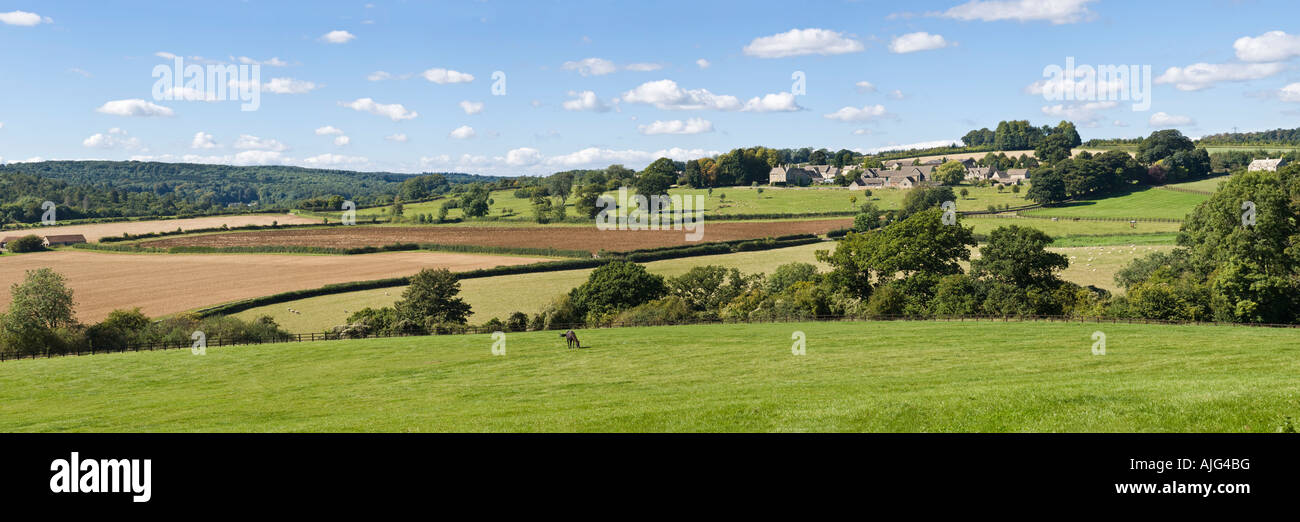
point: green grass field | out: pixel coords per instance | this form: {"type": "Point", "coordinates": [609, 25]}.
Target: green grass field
{"type": "Point", "coordinates": [855, 377]}
{"type": "Point", "coordinates": [500, 296]}
{"type": "Point", "coordinates": [1149, 203]}
{"type": "Point", "coordinates": [1207, 185]}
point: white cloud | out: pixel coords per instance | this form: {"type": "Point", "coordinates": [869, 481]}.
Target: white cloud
{"type": "Point", "coordinates": [778, 102]}
{"type": "Point", "coordinates": [665, 94]}
{"type": "Point", "coordinates": [24, 18]}
{"type": "Point", "coordinates": [1162, 119]}
{"type": "Point", "coordinates": [113, 139]}
{"type": "Point", "coordinates": [585, 101]}
{"type": "Point", "coordinates": [523, 156]}
{"type": "Point", "coordinates": [329, 130]}
{"type": "Point", "coordinates": [896, 94]}
{"type": "Point", "coordinates": [335, 160]}
{"type": "Point", "coordinates": [471, 107]}
{"type": "Point", "coordinates": [463, 132]}
{"type": "Point", "coordinates": [392, 111]}
{"type": "Point", "coordinates": [865, 87]}
{"type": "Point", "coordinates": [797, 42]}
{"type": "Point", "coordinates": [865, 113]}
{"type": "Point", "coordinates": [134, 107]}
{"type": "Point", "coordinates": [591, 66]}
{"type": "Point", "coordinates": [288, 86]}
{"type": "Point", "coordinates": [1273, 46]}
{"type": "Point", "coordinates": [1119, 123]}
{"type": "Point", "coordinates": [399, 138]}
{"type": "Point", "coordinates": [702, 63]}
{"type": "Point", "coordinates": [203, 140]}
{"type": "Point", "coordinates": [338, 37]}
{"type": "Point", "coordinates": [1054, 11]}
{"type": "Point", "coordinates": [379, 76]}
{"type": "Point", "coordinates": [2, 124]}
{"type": "Point", "coordinates": [444, 76]}
{"type": "Point", "coordinates": [342, 141]}
{"type": "Point", "coordinates": [1205, 75]}
{"type": "Point", "coordinates": [1290, 93]}
{"type": "Point", "coordinates": [691, 126]}
{"type": "Point", "coordinates": [913, 42]}
{"type": "Point", "coordinates": [251, 142]}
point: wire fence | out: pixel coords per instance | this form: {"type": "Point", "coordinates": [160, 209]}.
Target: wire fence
{"type": "Point", "coordinates": [486, 329]}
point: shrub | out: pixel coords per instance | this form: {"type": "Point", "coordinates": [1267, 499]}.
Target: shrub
{"type": "Point", "coordinates": [28, 243]}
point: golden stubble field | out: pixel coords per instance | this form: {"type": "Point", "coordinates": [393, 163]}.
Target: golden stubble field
{"type": "Point", "coordinates": [94, 232]}
{"type": "Point", "coordinates": [166, 284]}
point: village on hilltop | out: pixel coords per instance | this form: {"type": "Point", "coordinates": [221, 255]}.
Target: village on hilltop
{"type": "Point", "coordinates": [898, 174]}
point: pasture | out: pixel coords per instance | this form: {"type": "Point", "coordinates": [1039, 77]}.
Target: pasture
{"type": "Point", "coordinates": [96, 231]}
{"type": "Point", "coordinates": [1144, 203]}
{"type": "Point", "coordinates": [500, 296]}
{"type": "Point", "coordinates": [855, 377]}
{"type": "Point", "coordinates": [164, 284]}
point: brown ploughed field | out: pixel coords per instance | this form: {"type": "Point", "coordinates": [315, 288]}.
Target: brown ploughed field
{"type": "Point", "coordinates": [162, 284]}
{"type": "Point", "coordinates": [556, 236]}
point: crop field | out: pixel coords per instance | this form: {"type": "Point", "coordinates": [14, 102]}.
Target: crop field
{"type": "Point", "coordinates": [502, 295]}
{"type": "Point", "coordinates": [163, 284]}
{"type": "Point", "coordinates": [1146, 203]}
{"type": "Point", "coordinates": [899, 376]}
{"type": "Point", "coordinates": [562, 237]}
{"type": "Point", "coordinates": [94, 232]}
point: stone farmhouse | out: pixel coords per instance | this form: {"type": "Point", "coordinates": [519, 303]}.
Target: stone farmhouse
{"type": "Point", "coordinates": [1270, 165]}
{"type": "Point", "coordinates": [800, 176]}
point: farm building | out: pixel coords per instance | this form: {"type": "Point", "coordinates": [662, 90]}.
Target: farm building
{"type": "Point", "coordinates": [789, 175]}
{"type": "Point", "coordinates": [63, 240]}
{"type": "Point", "coordinates": [1270, 165]}
{"type": "Point", "coordinates": [982, 173]}
{"type": "Point", "coordinates": [49, 241]}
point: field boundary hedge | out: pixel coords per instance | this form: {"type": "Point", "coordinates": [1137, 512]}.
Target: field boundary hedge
{"type": "Point", "coordinates": [292, 249]}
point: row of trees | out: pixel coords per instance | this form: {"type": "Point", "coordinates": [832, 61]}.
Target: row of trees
{"type": "Point", "coordinates": [1166, 156]}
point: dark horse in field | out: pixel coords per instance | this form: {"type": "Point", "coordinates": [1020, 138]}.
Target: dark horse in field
{"type": "Point", "coordinates": [572, 338]}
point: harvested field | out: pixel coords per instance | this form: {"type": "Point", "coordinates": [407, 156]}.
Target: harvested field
{"type": "Point", "coordinates": [561, 237]}
{"type": "Point", "coordinates": [94, 232]}
{"type": "Point", "coordinates": [167, 284]}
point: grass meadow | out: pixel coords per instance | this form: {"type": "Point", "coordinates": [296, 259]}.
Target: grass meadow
{"type": "Point", "coordinates": [855, 377]}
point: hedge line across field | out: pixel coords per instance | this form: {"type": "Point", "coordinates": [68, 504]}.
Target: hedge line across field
{"type": "Point", "coordinates": [292, 249]}
{"type": "Point", "coordinates": [639, 256]}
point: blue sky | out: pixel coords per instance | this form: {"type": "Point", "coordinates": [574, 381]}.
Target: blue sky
{"type": "Point", "coordinates": [588, 84]}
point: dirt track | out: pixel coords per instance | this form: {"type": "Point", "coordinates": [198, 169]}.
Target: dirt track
{"type": "Point", "coordinates": [96, 231]}
{"type": "Point", "coordinates": [562, 237]}
{"type": "Point", "coordinates": [167, 284]}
